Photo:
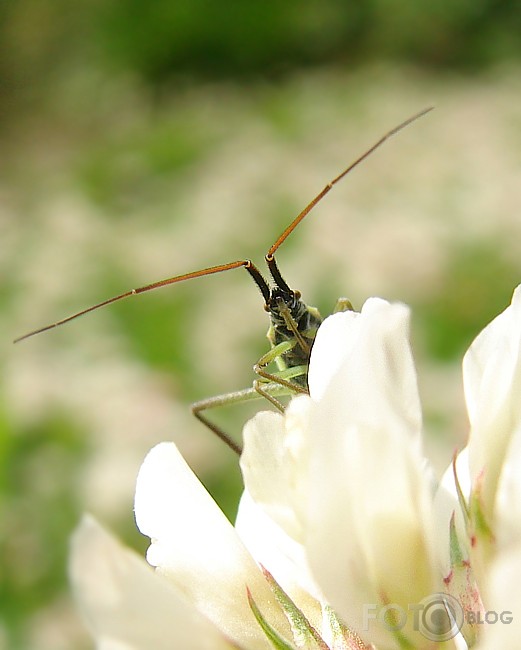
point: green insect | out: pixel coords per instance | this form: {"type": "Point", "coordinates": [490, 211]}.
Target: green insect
{"type": "Point", "coordinates": [293, 325]}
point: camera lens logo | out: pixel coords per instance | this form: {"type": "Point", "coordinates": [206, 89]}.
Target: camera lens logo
{"type": "Point", "coordinates": [441, 617]}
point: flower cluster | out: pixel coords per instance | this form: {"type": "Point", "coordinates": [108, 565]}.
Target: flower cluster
{"type": "Point", "coordinates": [343, 539]}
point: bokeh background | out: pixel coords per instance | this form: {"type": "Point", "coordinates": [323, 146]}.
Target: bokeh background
{"type": "Point", "coordinates": [143, 140]}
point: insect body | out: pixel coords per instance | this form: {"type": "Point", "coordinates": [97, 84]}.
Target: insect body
{"type": "Point", "coordinates": [293, 329]}
{"type": "Point", "coordinates": [293, 324]}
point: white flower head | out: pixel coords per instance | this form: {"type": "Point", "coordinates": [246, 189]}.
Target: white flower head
{"type": "Point", "coordinates": [339, 543]}
{"type": "Point", "coordinates": [343, 471]}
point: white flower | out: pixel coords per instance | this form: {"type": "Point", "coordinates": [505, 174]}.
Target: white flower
{"type": "Point", "coordinates": [343, 472]}
{"type": "Point", "coordinates": [483, 489]}
{"type": "Point", "coordinates": [338, 523]}
{"type": "Point", "coordinates": [488, 468]}
{"type": "Point", "coordinates": [492, 381]}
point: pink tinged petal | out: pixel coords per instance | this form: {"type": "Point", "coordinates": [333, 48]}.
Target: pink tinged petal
{"type": "Point", "coordinates": [370, 534]}
{"type": "Point", "coordinates": [198, 550]}
{"type": "Point", "coordinates": [492, 383]}
{"type": "Point", "coordinates": [126, 605]}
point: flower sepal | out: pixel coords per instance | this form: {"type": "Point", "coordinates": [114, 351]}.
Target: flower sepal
{"type": "Point", "coordinates": [305, 635]}
{"type": "Point", "coordinates": [461, 583]}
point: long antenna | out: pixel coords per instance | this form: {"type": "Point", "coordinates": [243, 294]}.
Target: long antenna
{"type": "Point", "coordinates": [247, 264]}
{"type": "Point", "coordinates": [250, 267]}
{"type": "Point", "coordinates": [335, 180]}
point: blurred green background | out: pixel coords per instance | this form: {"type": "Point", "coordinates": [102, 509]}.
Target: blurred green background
{"type": "Point", "coordinates": [143, 140]}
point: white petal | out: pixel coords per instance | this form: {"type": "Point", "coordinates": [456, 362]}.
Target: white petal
{"type": "Point", "coordinates": [271, 463]}
{"type": "Point", "coordinates": [126, 605]}
{"type": "Point", "coordinates": [356, 363]}
{"type": "Point", "coordinates": [334, 342]}
{"type": "Point", "coordinates": [197, 548]}
{"type": "Point", "coordinates": [496, 347]}
{"type": "Point", "coordinates": [492, 382]}
{"type": "Point", "coordinates": [371, 490]}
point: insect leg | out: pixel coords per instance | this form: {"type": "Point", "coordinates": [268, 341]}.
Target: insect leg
{"type": "Point", "coordinates": [343, 304]}
{"type": "Point", "coordinates": [227, 399]}
{"type": "Point", "coordinates": [281, 377]}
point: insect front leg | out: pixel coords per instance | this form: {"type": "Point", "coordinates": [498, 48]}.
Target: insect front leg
{"type": "Point", "coordinates": [281, 377]}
